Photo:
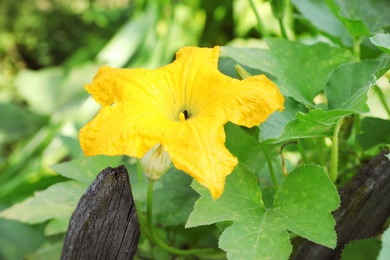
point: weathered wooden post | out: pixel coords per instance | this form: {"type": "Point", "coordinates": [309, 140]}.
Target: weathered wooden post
{"type": "Point", "coordinates": [104, 224]}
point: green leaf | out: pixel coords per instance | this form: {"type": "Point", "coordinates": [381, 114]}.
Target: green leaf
{"type": "Point", "coordinates": [365, 249]}
{"type": "Point", "coordinates": [316, 123]}
{"type": "Point", "coordinates": [244, 147]}
{"type": "Point", "coordinates": [382, 41]}
{"type": "Point", "coordinates": [16, 123]}
{"type": "Point", "coordinates": [127, 40]}
{"type": "Point", "coordinates": [375, 132]}
{"type": "Point", "coordinates": [385, 251]}
{"type": "Point", "coordinates": [273, 127]}
{"type": "Point", "coordinates": [47, 251]}
{"type": "Point", "coordinates": [56, 202]}
{"type": "Point", "coordinates": [54, 89]}
{"type": "Point", "coordinates": [348, 86]}
{"type": "Point", "coordinates": [174, 201]}
{"type": "Point", "coordinates": [303, 205]}
{"type": "Point", "coordinates": [362, 18]}
{"type": "Point", "coordinates": [354, 25]}
{"type": "Point", "coordinates": [57, 225]}
{"type": "Point", "coordinates": [85, 169]}
{"type": "Point", "coordinates": [17, 239]}
{"type": "Point", "coordinates": [319, 14]}
{"type": "Point", "coordinates": [301, 70]}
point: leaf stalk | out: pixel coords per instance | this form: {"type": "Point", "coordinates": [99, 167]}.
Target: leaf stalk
{"type": "Point", "coordinates": [334, 157]}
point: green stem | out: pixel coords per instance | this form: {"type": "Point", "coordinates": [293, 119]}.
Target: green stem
{"type": "Point", "coordinates": [301, 150]}
{"type": "Point", "coordinates": [270, 166]}
{"type": "Point", "coordinates": [140, 174]}
{"type": "Point", "coordinates": [320, 147]}
{"type": "Point", "coordinates": [382, 98]}
{"type": "Point", "coordinates": [356, 47]}
{"type": "Point", "coordinates": [262, 29]}
{"type": "Point", "coordinates": [334, 157]}
{"type": "Point", "coordinates": [282, 29]}
{"type": "Point", "coordinates": [155, 237]}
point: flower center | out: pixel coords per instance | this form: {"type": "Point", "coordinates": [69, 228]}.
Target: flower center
{"type": "Point", "coordinates": [183, 116]}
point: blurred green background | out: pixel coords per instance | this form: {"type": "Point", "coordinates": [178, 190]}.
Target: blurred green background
{"type": "Point", "coordinates": [50, 48]}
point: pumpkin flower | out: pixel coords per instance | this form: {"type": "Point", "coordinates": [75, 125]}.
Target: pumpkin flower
{"type": "Point", "coordinates": [183, 106]}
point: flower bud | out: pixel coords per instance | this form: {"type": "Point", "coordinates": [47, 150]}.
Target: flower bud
{"type": "Point", "coordinates": [155, 162]}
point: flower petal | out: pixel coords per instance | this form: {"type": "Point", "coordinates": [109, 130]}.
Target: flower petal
{"type": "Point", "coordinates": [119, 130]}
{"type": "Point", "coordinates": [250, 101]}
{"type": "Point", "coordinates": [205, 90]}
{"type": "Point", "coordinates": [150, 89]}
{"type": "Point", "coordinates": [197, 148]}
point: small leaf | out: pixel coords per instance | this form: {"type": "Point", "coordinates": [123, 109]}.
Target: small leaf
{"type": "Point", "coordinates": [382, 41]}
{"type": "Point", "coordinates": [348, 86]}
{"type": "Point", "coordinates": [365, 249]}
{"type": "Point", "coordinates": [303, 205]}
{"type": "Point", "coordinates": [316, 123]}
{"type": "Point", "coordinates": [375, 131]}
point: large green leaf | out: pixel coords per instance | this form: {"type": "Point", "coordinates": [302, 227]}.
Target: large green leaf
{"type": "Point", "coordinates": [244, 147]}
{"type": "Point", "coordinates": [301, 70]}
{"type": "Point", "coordinates": [382, 41]}
{"type": "Point", "coordinates": [316, 123]}
{"type": "Point", "coordinates": [54, 89]}
{"type": "Point", "coordinates": [17, 239]}
{"type": "Point", "coordinates": [85, 169]}
{"type": "Point", "coordinates": [16, 123]}
{"type": "Point", "coordinates": [174, 201]}
{"type": "Point", "coordinates": [362, 18]}
{"type": "Point", "coordinates": [56, 202]}
{"type": "Point", "coordinates": [319, 14]}
{"type": "Point", "coordinates": [348, 86]}
{"type": "Point", "coordinates": [274, 126]}
{"type": "Point", "coordinates": [303, 205]}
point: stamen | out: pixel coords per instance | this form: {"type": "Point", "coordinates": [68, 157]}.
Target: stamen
{"type": "Point", "coordinates": [183, 116]}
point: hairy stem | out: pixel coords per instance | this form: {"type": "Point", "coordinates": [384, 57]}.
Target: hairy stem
{"type": "Point", "coordinates": [334, 157]}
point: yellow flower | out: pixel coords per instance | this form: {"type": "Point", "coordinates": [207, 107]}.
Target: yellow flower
{"type": "Point", "coordinates": [182, 106]}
